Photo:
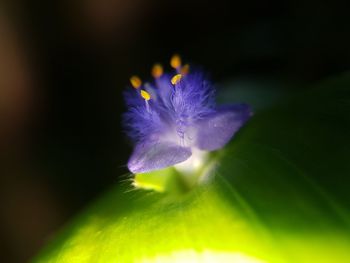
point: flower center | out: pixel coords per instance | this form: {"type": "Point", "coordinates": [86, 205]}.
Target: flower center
{"type": "Point", "coordinates": [193, 164]}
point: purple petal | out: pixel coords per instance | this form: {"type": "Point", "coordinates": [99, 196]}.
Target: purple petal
{"type": "Point", "coordinates": [216, 129]}
{"type": "Point", "coordinates": [157, 155]}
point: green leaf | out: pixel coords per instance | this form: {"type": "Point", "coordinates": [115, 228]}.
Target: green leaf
{"type": "Point", "coordinates": [278, 193]}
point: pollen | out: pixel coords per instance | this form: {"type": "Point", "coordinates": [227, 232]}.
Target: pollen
{"type": "Point", "coordinates": [175, 61]}
{"type": "Point", "coordinates": [145, 95]}
{"type": "Point", "coordinates": [136, 82]}
{"type": "Point", "coordinates": [185, 69]}
{"type": "Point", "coordinates": [176, 79]}
{"type": "Point", "coordinates": [157, 71]}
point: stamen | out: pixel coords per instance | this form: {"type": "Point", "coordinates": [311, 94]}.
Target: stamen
{"type": "Point", "coordinates": [176, 79]}
{"type": "Point", "coordinates": [136, 82]}
{"type": "Point", "coordinates": [157, 71]}
{"type": "Point", "coordinates": [175, 61]}
{"type": "Point", "coordinates": [145, 95]}
{"type": "Point", "coordinates": [185, 69]}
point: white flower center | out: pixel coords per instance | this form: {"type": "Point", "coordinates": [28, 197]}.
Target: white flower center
{"type": "Point", "coordinates": [193, 164]}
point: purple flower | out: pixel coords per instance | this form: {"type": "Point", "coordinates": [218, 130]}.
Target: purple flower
{"type": "Point", "coordinates": [176, 115]}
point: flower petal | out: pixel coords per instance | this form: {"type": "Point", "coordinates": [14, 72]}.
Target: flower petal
{"type": "Point", "coordinates": [216, 129]}
{"type": "Point", "coordinates": [157, 155]}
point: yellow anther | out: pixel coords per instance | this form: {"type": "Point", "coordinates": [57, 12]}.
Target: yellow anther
{"type": "Point", "coordinates": [136, 82]}
{"type": "Point", "coordinates": [176, 79]}
{"type": "Point", "coordinates": [145, 95]}
{"type": "Point", "coordinates": [175, 61]}
{"type": "Point", "coordinates": [185, 69]}
{"type": "Point", "coordinates": [157, 70]}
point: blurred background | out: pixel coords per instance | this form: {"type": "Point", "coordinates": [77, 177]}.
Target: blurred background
{"type": "Point", "coordinates": [65, 63]}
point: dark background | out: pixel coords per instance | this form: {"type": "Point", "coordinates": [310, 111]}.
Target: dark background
{"type": "Point", "coordinates": [64, 65]}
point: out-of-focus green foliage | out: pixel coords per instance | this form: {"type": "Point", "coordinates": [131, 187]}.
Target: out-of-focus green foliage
{"type": "Point", "coordinates": [279, 193]}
